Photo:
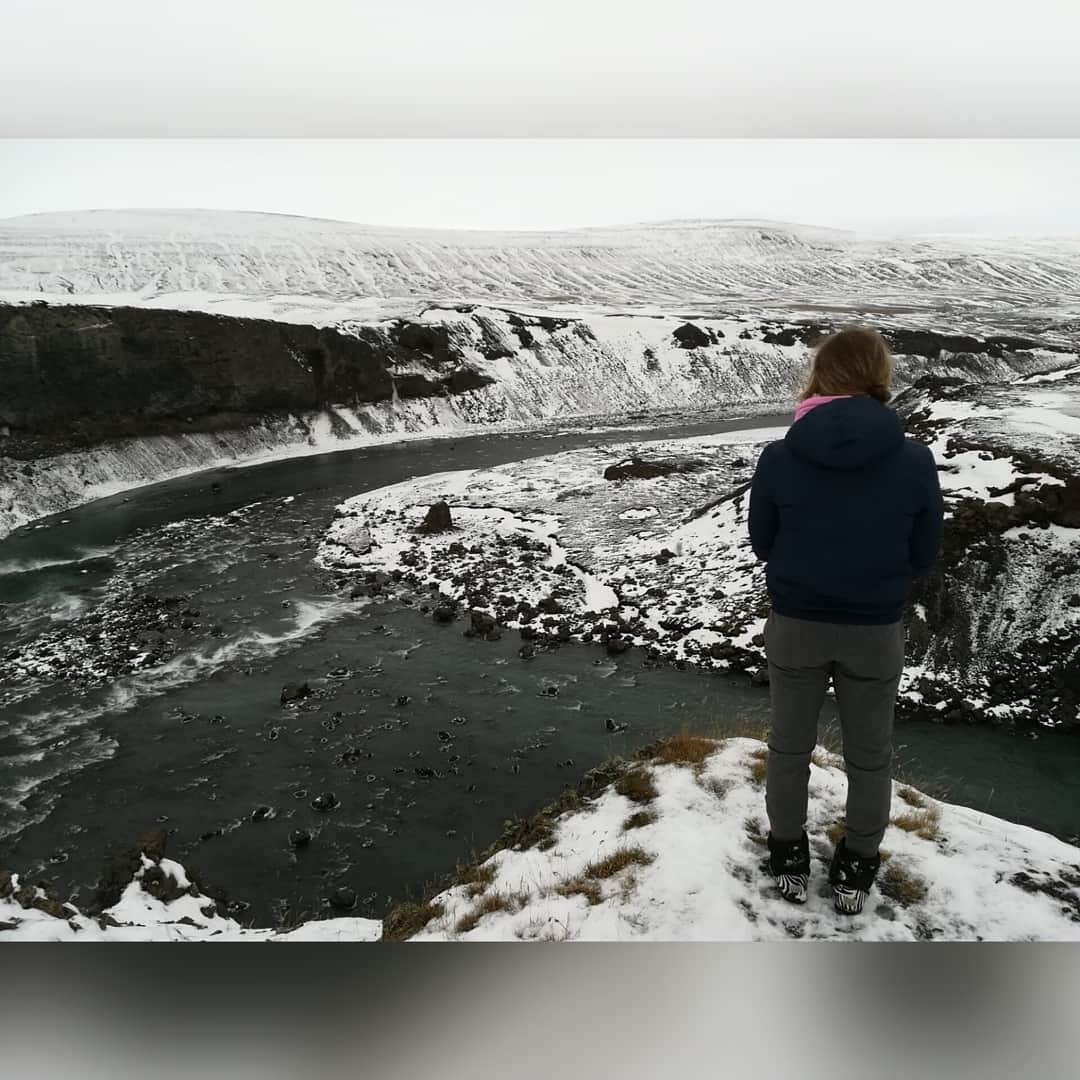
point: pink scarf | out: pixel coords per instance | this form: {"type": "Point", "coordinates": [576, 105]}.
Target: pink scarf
{"type": "Point", "coordinates": [815, 401]}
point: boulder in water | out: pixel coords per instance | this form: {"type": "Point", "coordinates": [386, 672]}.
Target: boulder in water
{"type": "Point", "coordinates": [325, 802]}
{"type": "Point", "coordinates": [294, 692]}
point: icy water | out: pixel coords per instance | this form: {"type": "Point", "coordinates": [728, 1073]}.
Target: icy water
{"type": "Point", "coordinates": [427, 740]}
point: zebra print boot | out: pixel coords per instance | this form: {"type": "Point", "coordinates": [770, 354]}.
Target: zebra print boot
{"type": "Point", "coordinates": [789, 864]}
{"type": "Point", "coordinates": [851, 877]}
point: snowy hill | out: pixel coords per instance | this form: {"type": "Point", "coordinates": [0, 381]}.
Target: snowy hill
{"type": "Point", "coordinates": [308, 270]}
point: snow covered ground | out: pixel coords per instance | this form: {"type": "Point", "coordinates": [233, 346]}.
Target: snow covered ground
{"type": "Point", "coordinates": [160, 903]}
{"type": "Point", "coordinates": [322, 272]}
{"type": "Point", "coordinates": [682, 859]}
{"type": "Point", "coordinates": [554, 535]}
{"type": "Point", "coordinates": [671, 849]}
{"type": "Point", "coordinates": [536, 542]}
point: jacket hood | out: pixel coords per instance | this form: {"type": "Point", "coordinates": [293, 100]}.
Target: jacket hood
{"type": "Point", "coordinates": [847, 434]}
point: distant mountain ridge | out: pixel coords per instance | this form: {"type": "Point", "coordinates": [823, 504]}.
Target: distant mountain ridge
{"type": "Point", "coordinates": [305, 269]}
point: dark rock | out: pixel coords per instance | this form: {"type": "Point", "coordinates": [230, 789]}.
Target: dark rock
{"type": "Point", "coordinates": [637, 468]}
{"type": "Point", "coordinates": [294, 692]}
{"type": "Point", "coordinates": [692, 336]}
{"type": "Point", "coordinates": [444, 614]}
{"type": "Point", "coordinates": [261, 813]}
{"type": "Point", "coordinates": [482, 621]}
{"type": "Point", "coordinates": [760, 677]}
{"type": "Point", "coordinates": [438, 518]}
{"type": "Point", "coordinates": [325, 802]}
{"type": "Point", "coordinates": [343, 899]}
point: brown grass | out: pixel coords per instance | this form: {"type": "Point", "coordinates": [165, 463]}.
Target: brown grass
{"type": "Point", "coordinates": [618, 861]}
{"type": "Point", "coordinates": [407, 919]}
{"type": "Point", "coordinates": [475, 877]}
{"type": "Point", "coordinates": [922, 823]}
{"type": "Point", "coordinates": [637, 785]}
{"type": "Point", "coordinates": [581, 886]}
{"type": "Point", "coordinates": [912, 797]}
{"type": "Point", "coordinates": [899, 885]}
{"type": "Point", "coordinates": [639, 820]}
{"type": "Point", "coordinates": [759, 766]}
{"type": "Point", "coordinates": [685, 749]}
{"type": "Point", "coordinates": [491, 902]}
{"type": "Point", "coordinates": [836, 832]}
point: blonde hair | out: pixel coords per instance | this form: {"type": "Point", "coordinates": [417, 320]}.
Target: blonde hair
{"type": "Point", "coordinates": [855, 360]}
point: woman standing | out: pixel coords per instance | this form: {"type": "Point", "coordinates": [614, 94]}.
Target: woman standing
{"type": "Point", "coordinates": [846, 511]}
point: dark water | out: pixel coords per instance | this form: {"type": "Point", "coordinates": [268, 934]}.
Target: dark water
{"type": "Point", "coordinates": [428, 740]}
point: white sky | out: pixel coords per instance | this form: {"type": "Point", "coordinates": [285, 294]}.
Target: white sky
{"type": "Point", "coordinates": [872, 185]}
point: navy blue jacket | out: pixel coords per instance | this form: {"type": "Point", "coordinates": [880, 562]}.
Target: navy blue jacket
{"type": "Point", "coordinates": [846, 511]}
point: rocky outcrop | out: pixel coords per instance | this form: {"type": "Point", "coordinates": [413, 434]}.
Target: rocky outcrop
{"type": "Point", "coordinates": [99, 399]}
{"type": "Point", "coordinates": [995, 627]}
{"type": "Point", "coordinates": [77, 376]}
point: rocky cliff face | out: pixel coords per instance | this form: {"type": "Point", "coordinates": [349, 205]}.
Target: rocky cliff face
{"type": "Point", "coordinates": [995, 629]}
{"type": "Point", "coordinates": [99, 398]}
{"type": "Point", "coordinates": [77, 376]}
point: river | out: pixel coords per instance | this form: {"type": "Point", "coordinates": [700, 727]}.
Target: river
{"type": "Point", "coordinates": [428, 740]}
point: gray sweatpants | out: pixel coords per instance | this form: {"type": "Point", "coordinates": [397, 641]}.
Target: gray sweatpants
{"type": "Point", "coordinates": [864, 663]}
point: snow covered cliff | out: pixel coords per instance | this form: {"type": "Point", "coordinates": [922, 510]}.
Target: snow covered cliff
{"type": "Point", "coordinates": [99, 399]}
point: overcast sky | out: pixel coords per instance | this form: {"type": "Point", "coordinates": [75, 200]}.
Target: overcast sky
{"type": "Point", "coordinates": [871, 185]}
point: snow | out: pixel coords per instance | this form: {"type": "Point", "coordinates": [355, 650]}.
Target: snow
{"type": "Point", "coordinates": [700, 877]}
{"type": "Point", "coordinates": [321, 272]}
{"type": "Point", "coordinates": [705, 880]}
{"type": "Point", "coordinates": [561, 505]}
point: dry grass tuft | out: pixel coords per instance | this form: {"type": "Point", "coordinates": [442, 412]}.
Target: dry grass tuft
{"type": "Point", "coordinates": [912, 797]}
{"type": "Point", "coordinates": [899, 885]}
{"type": "Point", "coordinates": [759, 766]}
{"type": "Point", "coordinates": [836, 832]}
{"type": "Point", "coordinates": [581, 886]}
{"type": "Point", "coordinates": [475, 877]}
{"type": "Point", "coordinates": [618, 861]}
{"type": "Point", "coordinates": [492, 902]}
{"type": "Point", "coordinates": [407, 919]}
{"type": "Point", "coordinates": [922, 823]}
{"type": "Point", "coordinates": [640, 819]}
{"type": "Point", "coordinates": [685, 749]}
{"type": "Point", "coordinates": [637, 785]}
